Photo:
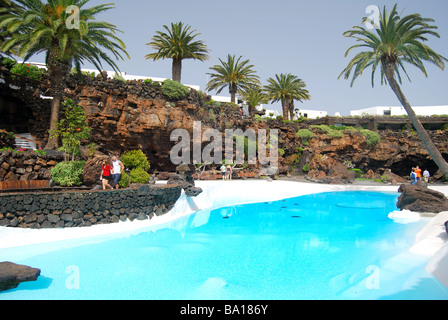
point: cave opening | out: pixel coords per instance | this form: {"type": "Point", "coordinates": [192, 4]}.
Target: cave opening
{"type": "Point", "coordinates": [15, 115]}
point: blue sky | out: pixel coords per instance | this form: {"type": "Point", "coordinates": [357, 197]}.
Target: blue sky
{"type": "Point", "coordinates": [283, 36]}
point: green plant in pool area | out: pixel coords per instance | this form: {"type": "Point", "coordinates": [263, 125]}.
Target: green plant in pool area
{"type": "Point", "coordinates": [68, 174]}
{"type": "Point", "coordinates": [139, 175]}
{"type": "Point", "coordinates": [125, 181]}
{"type": "Point", "coordinates": [72, 129]}
{"type": "Point", "coordinates": [135, 159]}
{"type": "Point", "coordinates": [27, 70]}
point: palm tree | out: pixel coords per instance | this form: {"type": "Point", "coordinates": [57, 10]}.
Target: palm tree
{"type": "Point", "coordinates": [396, 41]}
{"type": "Point", "coordinates": [234, 73]}
{"type": "Point", "coordinates": [254, 96]}
{"type": "Point", "coordinates": [44, 28]}
{"type": "Point", "coordinates": [6, 7]}
{"type": "Point", "coordinates": [177, 43]}
{"type": "Point", "coordinates": [286, 88]}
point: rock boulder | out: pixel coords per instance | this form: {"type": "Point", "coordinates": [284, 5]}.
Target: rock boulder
{"type": "Point", "coordinates": [184, 178]}
{"type": "Point", "coordinates": [92, 171]}
{"type": "Point", "coordinates": [325, 169]}
{"type": "Point", "coordinates": [419, 198]}
{"type": "Point", "coordinates": [11, 275]}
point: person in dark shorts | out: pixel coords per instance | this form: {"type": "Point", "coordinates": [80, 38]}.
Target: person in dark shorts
{"type": "Point", "coordinates": [106, 176]}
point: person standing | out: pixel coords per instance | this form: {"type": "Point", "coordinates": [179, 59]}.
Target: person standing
{"type": "Point", "coordinates": [117, 169]}
{"type": "Point", "coordinates": [229, 172]}
{"type": "Point", "coordinates": [418, 172]}
{"type": "Point", "coordinates": [413, 176]}
{"type": "Point", "coordinates": [223, 171]}
{"type": "Point", "coordinates": [106, 176]}
{"type": "Point", "coordinates": [426, 175]}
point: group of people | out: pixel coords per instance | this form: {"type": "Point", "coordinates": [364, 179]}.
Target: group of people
{"type": "Point", "coordinates": [111, 173]}
{"type": "Point", "coordinates": [226, 172]}
{"type": "Point", "coordinates": [416, 175]}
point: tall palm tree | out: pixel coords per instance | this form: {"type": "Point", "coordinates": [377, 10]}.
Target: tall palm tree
{"type": "Point", "coordinates": [44, 28]}
{"type": "Point", "coordinates": [396, 41]}
{"type": "Point", "coordinates": [177, 43]}
{"type": "Point", "coordinates": [286, 88]}
{"type": "Point", "coordinates": [234, 73]}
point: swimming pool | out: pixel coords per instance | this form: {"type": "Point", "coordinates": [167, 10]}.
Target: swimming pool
{"type": "Point", "coordinates": [332, 245]}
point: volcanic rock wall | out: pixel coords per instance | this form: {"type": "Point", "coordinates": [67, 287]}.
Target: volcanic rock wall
{"type": "Point", "coordinates": [85, 208]}
{"type": "Point", "coordinates": [135, 114]}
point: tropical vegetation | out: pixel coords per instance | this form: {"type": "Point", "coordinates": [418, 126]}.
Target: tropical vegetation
{"type": "Point", "coordinates": [174, 90]}
{"type": "Point", "coordinates": [234, 73]}
{"type": "Point", "coordinates": [286, 88]}
{"type": "Point", "coordinates": [72, 129]}
{"type": "Point", "coordinates": [254, 96]}
{"type": "Point", "coordinates": [177, 43]}
{"type": "Point", "coordinates": [398, 41]}
{"type": "Point", "coordinates": [35, 27]}
{"type": "Point", "coordinates": [68, 174]}
{"type": "Point", "coordinates": [135, 159]}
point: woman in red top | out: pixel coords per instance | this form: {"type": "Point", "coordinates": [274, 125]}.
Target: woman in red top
{"type": "Point", "coordinates": [106, 176]}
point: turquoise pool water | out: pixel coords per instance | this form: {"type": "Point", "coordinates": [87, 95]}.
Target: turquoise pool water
{"type": "Point", "coordinates": [336, 245]}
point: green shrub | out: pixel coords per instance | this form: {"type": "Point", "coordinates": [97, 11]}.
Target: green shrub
{"type": "Point", "coordinates": [372, 138]}
{"type": "Point", "coordinates": [306, 167]}
{"type": "Point", "coordinates": [358, 172]}
{"type": "Point", "coordinates": [139, 175]}
{"type": "Point", "coordinates": [27, 70]}
{"type": "Point", "coordinates": [281, 152]}
{"type": "Point", "coordinates": [125, 181]}
{"type": "Point", "coordinates": [8, 63]}
{"type": "Point", "coordinates": [119, 76]}
{"type": "Point", "coordinates": [173, 90]}
{"type": "Point", "coordinates": [68, 174]}
{"type": "Point", "coordinates": [6, 139]}
{"type": "Point", "coordinates": [258, 118]}
{"type": "Point", "coordinates": [329, 131]}
{"type": "Point", "coordinates": [304, 134]}
{"type": "Point", "coordinates": [135, 159]}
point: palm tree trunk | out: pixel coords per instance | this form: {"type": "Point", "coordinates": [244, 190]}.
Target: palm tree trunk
{"type": "Point", "coordinates": [232, 90]}
{"type": "Point", "coordinates": [52, 142]}
{"type": "Point", "coordinates": [422, 133]}
{"type": "Point", "coordinates": [285, 108]}
{"type": "Point", "coordinates": [58, 71]}
{"type": "Point", "coordinates": [177, 69]}
{"type": "Point", "coordinates": [291, 109]}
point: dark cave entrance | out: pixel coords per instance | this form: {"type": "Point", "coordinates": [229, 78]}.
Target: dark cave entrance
{"type": "Point", "coordinates": [15, 115]}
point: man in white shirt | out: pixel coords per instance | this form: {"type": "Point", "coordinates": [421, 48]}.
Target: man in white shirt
{"type": "Point", "coordinates": [117, 169]}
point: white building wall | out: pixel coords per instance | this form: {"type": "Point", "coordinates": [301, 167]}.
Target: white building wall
{"type": "Point", "coordinates": [399, 111]}
{"type": "Point", "coordinates": [111, 74]}
{"type": "Point", "coordinates": [310, 114]}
